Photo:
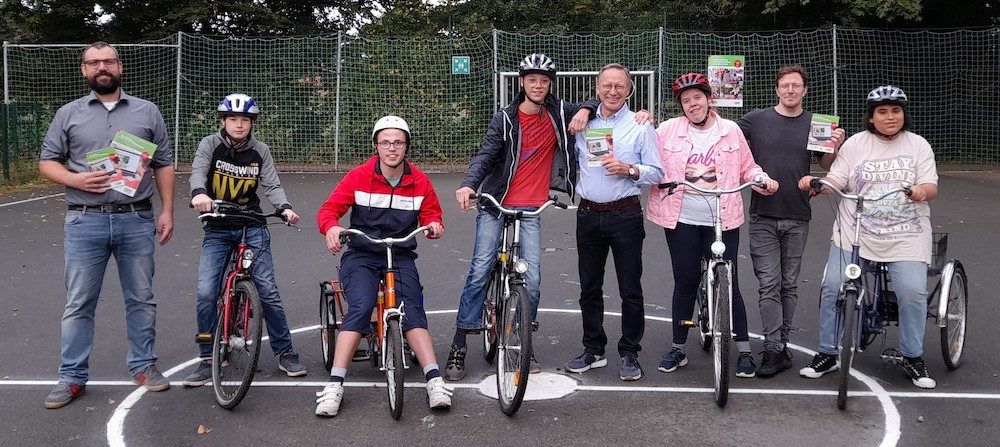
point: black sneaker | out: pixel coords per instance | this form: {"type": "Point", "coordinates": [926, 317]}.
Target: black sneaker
{"type": "Point", "coordinates": [914, 368]}
{"type": "Point", "coordinates": [201, 375]}
{"type": "Point", "coordinates": [289, 362]}
{"type": "Point", "coordinates": [745, 367]}
{"type": "Point", "coordinates": [773, 362]}
{"type": "Point", "coordinates": [821, 364]}
{"type": "Point", "coordinates": [455, 368]}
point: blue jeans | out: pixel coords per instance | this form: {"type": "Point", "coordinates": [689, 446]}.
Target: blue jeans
{"type": "Point", "coordinates": [215, 250]}
{"type": "Point", "coordinates": [909, 281]}
{"type": "Point", "coordinates": [488, 229]}
{"type": "Point", "coordinates": [90, 240]}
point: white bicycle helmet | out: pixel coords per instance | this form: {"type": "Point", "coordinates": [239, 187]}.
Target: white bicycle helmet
{"type": "Point", "coordinates": [238, 104]}
{"type": "Point", "coordinates": [537, 63]}
{"type": "Point", "coordinates": [391, 122]}
{"type": "Point", "coordinates": [886, 94]}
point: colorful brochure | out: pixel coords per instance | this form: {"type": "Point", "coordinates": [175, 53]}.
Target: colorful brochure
{"type": "Point", "coordinates": [821, 133]}
{"type": "Point", "coordinates": [599, 143]}
{"type": "Point", "coordinates": [126, 161]}
{"type": "Point", "coordinates": [726, 75]}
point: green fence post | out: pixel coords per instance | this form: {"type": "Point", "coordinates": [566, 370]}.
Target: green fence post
{"type": "Point", "coordinates": [4, 142]}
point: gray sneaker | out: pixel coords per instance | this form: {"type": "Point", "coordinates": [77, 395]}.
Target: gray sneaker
{"type": "Point", "coordinates": [630, 370]}
{"type": "Point", "coordinates": [200, 376]}
{"type": "Point", "coordinates": [62, 394]}
{"type": "Point", "coordinates": [151, 379]}
{"type": "Point", "coordinates": [288, 362]}
{"type": "Point", "coordinates": [586, 362]}
{"type": "Point", "coordinates": [535, 367]}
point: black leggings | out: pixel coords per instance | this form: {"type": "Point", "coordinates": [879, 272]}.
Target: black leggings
{"type": "Point", "coordinates": [688, 244]}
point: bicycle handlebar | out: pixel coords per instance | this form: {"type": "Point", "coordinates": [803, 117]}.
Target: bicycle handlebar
{"type": "Point", "coordinates": [817, 185]}
{"type": "Point", "coordinates": [223, 209]}
{"type": "Point", "coordinates": [757, 181]}
{"type": "Point", "coordinates": [553, 200]}
{"type": "Point", "coordinates": [345, 238]}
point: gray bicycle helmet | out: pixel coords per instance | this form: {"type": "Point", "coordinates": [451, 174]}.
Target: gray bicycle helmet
{"type": "Point", "coordinates": [887, 94]}
{"type": "Point", "coordinates": [537, 63]}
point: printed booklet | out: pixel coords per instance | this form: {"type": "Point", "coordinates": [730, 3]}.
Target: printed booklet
{"type": "Point", "coordinates": [820, 133]}
{"type": "Point", "coordinates": [126, 161]}
{"type": "Point", "coordinates": [599, 143]}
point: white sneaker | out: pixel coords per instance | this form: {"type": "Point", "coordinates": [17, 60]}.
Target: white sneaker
{"type": "Point", "coordinates": [328, 402]}
{"type": "Point", "coordinates": [437, 395]}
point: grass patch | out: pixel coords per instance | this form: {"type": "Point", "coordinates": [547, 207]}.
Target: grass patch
{"type": "Point", "coordinates": [24, 176]}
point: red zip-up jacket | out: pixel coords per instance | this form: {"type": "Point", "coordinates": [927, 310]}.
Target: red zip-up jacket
{"type": "Point", "coordinates": [379, 209]}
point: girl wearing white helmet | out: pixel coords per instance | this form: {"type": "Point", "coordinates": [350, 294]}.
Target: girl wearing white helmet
{"type": "Point", "coordinates": [896, 233]}
{"type": "Point", "coordinates": [231, 165]}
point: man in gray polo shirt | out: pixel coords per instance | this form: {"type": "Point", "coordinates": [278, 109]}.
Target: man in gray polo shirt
{"type": "Point", "coordinates": [102, 222]}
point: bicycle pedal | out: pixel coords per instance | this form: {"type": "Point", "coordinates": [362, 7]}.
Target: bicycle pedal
{"type": "Point", "coordinates": [892, 357]}
{"type": "Point", "coordinates": [203, 338]}
{"type": "Point", "coordinates": [361, 355]}
{"type": "Point", "coordinates": [688, 323]}
{"type": "Point", "coordinates": [534, 326]}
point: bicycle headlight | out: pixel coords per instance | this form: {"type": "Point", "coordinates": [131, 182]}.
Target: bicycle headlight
{"type": "Point", "coordinates": [521, 266]}
{"type": "Point", "coordinates": [853, 271]}
{"type": "Point", "coordinates": [247, 259]}
{"type": "Point", "coordinates": [718, 248]}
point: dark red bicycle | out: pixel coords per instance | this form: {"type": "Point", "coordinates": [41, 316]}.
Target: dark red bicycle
{"type": "Point", "coordinates": [236, 341]}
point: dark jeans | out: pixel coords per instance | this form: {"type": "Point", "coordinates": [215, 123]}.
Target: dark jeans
{"type": "Point", "coordinates": [622, 232]}
{"type": "Point", "coordinates": [776, 247]}
{"type": "Point", "coordinates": [688, 244]}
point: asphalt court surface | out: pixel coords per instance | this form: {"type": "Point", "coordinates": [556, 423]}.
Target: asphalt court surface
{"type": "Point", "coordinates": [597, 408]}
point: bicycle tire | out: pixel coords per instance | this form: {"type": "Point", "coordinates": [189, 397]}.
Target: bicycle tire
{"type": "Point", "coordinates": [494, 290]}
{"type": "Point", "coordinates": [722, 336]}
{"type": "Point", "coordinates": [701, 313]}
{"type": "Point", "coordinates": [394, 367]}
{"type": "Point", "coordinates": [845, 349]}
{"type": "Point", "coordinates": [513, 350]}
{"type": "Point", "coordinates": [235, 355]}
{"type": "Point", "coordinates": [954, 332]}
{"type": "Point", "coordinates": [327, 323]}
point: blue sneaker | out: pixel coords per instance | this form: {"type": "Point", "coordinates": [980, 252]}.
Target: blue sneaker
{"type": "Point", "coordinates": [630, 370]}
{"type": "Point", "coordinates": [745, 367]}
{"type": "Point", "coordinates": [585, 362]}
{"type": "Point", "coordinates": [673, 360]}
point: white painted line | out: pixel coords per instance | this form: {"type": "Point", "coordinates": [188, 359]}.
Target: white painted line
{"type": "Point", "coordinates": [31, 199]}
{"type": "Point", "coordinates": [116, 429]}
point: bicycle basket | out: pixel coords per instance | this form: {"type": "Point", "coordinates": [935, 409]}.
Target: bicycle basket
{"type": "Point", "coordinates": [939, 250]}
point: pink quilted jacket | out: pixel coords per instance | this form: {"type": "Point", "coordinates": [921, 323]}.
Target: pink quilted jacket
{"type": "Point", "coordinates": [735, 165]}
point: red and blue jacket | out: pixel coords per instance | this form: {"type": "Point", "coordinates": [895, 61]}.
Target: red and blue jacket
{"type": "Point", "coordinates": [379, 209]}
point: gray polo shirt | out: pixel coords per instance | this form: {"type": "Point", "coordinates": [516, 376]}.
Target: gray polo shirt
{"type": "Point", "coordinates": [85, 125]}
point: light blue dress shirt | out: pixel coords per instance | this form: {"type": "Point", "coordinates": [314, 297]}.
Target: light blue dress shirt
{"type": "Point", "coordinates": [634, 144]}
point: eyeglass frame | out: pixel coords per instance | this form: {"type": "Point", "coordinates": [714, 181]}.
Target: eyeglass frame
{"type": "Point", "coordinates": [384, 144]}
{"type": "Point", "coordinates": [96, 63]}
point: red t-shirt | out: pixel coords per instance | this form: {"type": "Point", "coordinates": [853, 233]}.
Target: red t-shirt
{"type": "Point", "coordinates": [530, 186]}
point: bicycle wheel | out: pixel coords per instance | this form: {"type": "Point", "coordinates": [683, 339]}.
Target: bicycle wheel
{"type": "Point", "coordinates": [394, 367]}
{"type": "Point", "coordinates": [722, 336]}
{"type": "Point", "coordinates": [845, 349]}
{"type": "Point", "coordinates": [953, 334]}
{"type": "Point", "coordinates": [701, 313]}
{"type": "Point", "coordinates": [234, 354]}
{"type": "Point", "coordinates": [327, 322]}
{"type": "Point", "coordinates": [513, 349]}
{"type": "Point", "coordinates": [494, 290]}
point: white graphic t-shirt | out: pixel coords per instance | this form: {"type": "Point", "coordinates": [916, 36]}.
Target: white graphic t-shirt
{"type": "Point", "coordinates": [894, 228]}
{"type": "Point", "coordinates": [699, 209]}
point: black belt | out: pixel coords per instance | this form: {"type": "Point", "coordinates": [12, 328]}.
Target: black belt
{"type": "Point", "coordinates": [114, 208]}
{"type": "Point", "coordinates": [610, 206]}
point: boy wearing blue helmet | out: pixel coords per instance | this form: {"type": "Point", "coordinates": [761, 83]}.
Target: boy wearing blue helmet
{"type": "Point", "coordinates": [230, 165]}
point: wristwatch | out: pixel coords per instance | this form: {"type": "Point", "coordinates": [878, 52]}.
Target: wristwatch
{"type": "Point", "coordinates": [632, 171]}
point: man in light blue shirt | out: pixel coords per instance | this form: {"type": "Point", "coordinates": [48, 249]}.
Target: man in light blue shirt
{"type": "Point", "coordinates": [616, 156]}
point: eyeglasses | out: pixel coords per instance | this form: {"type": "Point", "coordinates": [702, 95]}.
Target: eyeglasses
{"type": "Point", "coordinates": [394, 144]}
{"type": "Point", "coordinates": [618, 87]}
{"type": "Point", "coordinates": [790, 86]}
{"type": "Point", "coordinates": [94, 63]}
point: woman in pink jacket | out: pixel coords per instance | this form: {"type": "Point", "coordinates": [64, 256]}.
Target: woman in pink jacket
{"type": "Point", "coordinates": [710, 151]}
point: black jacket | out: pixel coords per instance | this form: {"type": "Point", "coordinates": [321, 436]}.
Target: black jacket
{"type": "Point", "coordinates": [493, 167]}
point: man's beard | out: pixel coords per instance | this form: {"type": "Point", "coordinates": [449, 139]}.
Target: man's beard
{"type": "Point", "coordinates": [104, 89]}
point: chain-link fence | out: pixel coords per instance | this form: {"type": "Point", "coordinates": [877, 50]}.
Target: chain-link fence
{"type": "Point", "coordinates": [321, 94]}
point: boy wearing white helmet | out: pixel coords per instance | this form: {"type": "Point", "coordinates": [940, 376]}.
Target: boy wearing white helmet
{"type": "Point", "coordinates": [387, 197]}
{"type": "Point", "coordinates": [231, 165]}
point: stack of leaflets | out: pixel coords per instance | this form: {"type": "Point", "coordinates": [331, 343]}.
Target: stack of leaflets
{"type": "Point", "coordinates": [726, 73]}
{"type": "Point", "coordinates": [821, 133]}
{"type": "Point", "coordinates": [599, 143]}
{"type": "Point", "coordinates": [126, 161]}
